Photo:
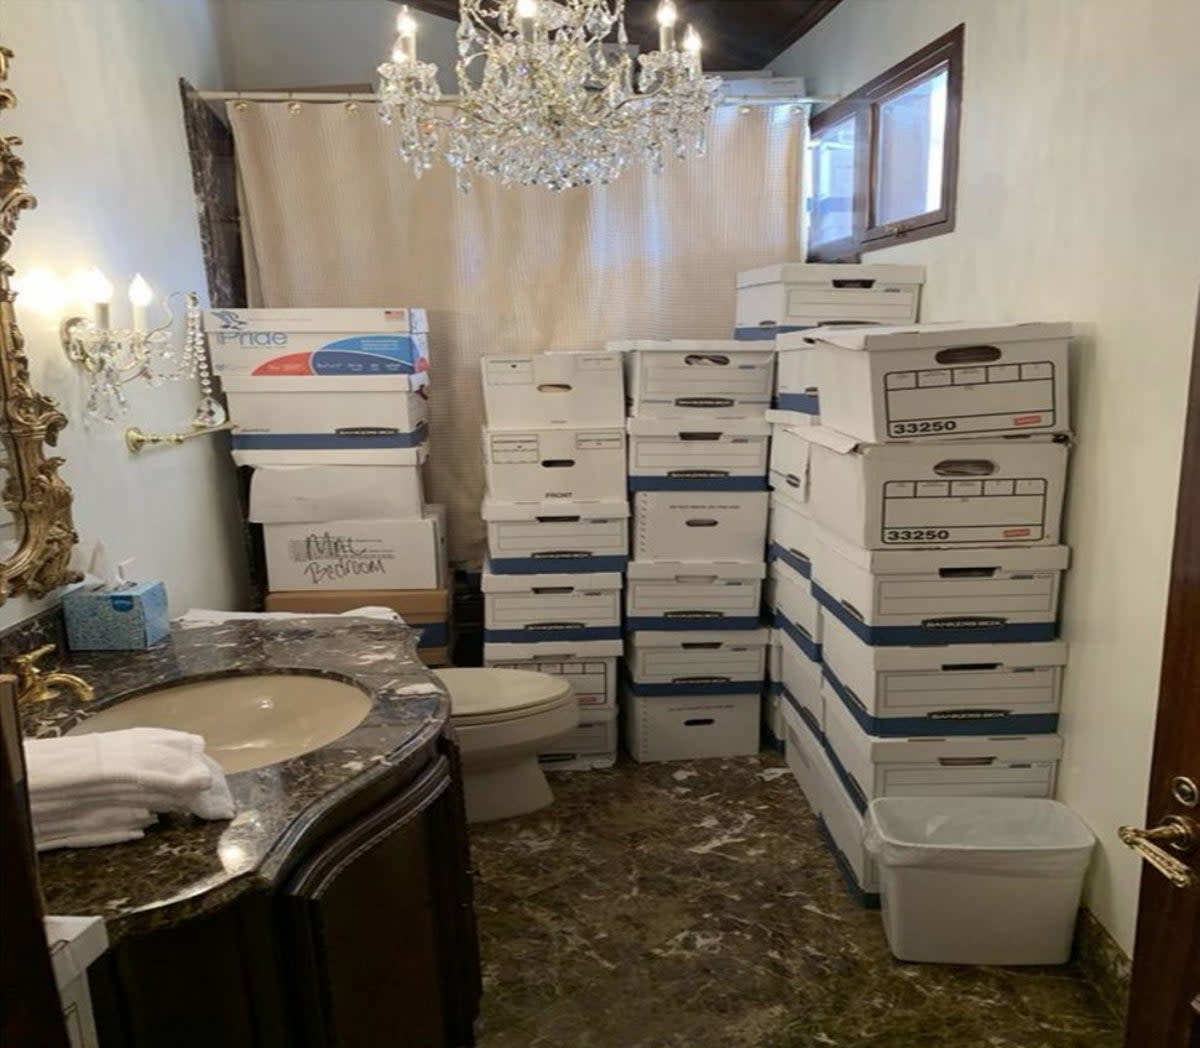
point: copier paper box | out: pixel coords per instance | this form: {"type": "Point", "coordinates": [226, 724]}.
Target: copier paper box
{"type": "Point", "coordinates": [300, 342]}
{"type": "Point", "coordinates": [933, 381]}
{"type": "Point", "coordinates": [554, 389]}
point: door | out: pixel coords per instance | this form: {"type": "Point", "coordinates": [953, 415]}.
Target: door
{"type": "Point", "coordinates": [1165, 1003]}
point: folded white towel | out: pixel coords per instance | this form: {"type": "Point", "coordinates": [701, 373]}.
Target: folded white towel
{"type": "Point", "coordinates": [151, 759]}
{"type": "Point", "coordinates": [89, 840]}
{"type": "Point", "coordinates": [215, 802]}
{"type": "Point", "coordinates": [102, 819]}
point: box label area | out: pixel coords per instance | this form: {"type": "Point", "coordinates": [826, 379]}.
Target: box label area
{"type": "Point", "coordinates": [963, 511]}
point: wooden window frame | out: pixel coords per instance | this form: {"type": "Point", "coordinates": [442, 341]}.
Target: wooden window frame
{"type": "Point", "coordinates": [863, 106]}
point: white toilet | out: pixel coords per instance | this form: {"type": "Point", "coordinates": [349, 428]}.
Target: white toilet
{"type": "Point", "coordinates": [504, 719]}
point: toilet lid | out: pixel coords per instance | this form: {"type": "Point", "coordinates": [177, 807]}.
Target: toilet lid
{"type": "Point", "coordinates": [488, 693]}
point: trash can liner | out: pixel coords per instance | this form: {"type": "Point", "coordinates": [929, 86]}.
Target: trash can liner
{"type": "Point", "coordinates": [1010, 836]}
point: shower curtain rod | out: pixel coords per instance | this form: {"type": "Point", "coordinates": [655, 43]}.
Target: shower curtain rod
{"type": "Point", "coordinates": [354, 96]}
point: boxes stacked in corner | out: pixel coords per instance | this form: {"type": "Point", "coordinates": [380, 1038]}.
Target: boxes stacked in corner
{"type": "Point", "coordinates": [557, 521]}
{"type": "Point", "coordinates": [925, 508]}
{"type": "Point", "coordinates": [698, 454]}
{"type": "Point", "coordinates": [329, 409]}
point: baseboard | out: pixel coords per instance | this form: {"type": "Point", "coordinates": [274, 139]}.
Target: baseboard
{"type": "Point", "coordinates": [1103, 963]}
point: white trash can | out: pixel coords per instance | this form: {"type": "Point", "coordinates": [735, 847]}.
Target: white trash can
{"type": "Point", "coordinates": [979, 880]}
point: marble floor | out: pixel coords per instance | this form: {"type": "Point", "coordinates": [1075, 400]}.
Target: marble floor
{"type": "Point", "coordinates": [693, 905]}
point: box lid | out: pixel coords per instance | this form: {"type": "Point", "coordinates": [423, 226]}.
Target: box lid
{"type": "Point", "coordinates": [683, 427]}
{"type": "Point", "coordinates": [406, 603]}
{"type": "Point", "coordinates": [554, 649]}
{"type": "Point", "coordinates": [923, 561]}
{"type": "Point", "coordinates": [782, 571]}
{"type": "Point", "coordinates": [695, 571]}
{"type": "Point", "coordinates": [324, 383]}
{"type": "Point", "coordinates": [686, 345]}
{"type": "Point", "coordinates": [756, 638]}
{"type": "Point", "coordinates": [790, 341]}
{"type": "Point", "coordinates": [550, 512]}
{"type": "Point", "coordinates": [559, 583]}
{"type": "Point", "coordinates": [845, 445]}
{"type": "Point", "coordinates": [823, 272]}
{"type": "Point", "coordinates": [318, 320]}
{"type": "Point", "coordinates": [935, 336]}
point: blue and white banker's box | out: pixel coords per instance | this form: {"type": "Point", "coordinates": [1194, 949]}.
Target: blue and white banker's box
{"type": "Point", "coordinates": [520, 609]}
{"type": "Point", "coordinates": [689, 596]}
{"type": "Point", "coordinates": [698, 454]}
{"type": "Point", "coordinates": [529, 538]}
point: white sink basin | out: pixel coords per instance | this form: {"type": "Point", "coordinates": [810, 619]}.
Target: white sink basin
{"type": "Point", "coordinates": [247, 722]}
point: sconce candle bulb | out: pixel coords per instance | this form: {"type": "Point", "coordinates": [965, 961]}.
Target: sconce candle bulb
{"type": "Point", "coordinates": [405, 50]}
{"type": "Point", "coordinates": [667, 17]}
{"type": "Point", "coordinates": [95, 289]}
{"type": "Point", "coordinates": [140, 296]}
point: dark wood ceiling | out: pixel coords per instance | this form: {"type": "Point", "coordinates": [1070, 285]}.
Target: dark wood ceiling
{"type": "Point", "coordinates": [738, 34]}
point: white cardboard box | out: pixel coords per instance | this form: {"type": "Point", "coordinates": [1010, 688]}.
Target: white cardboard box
{"type": "Point", "coordinates": [327, 412]}
{"type": "Point", "coordinates": [590, 747]}
{"type": "Point", "coordinates": [938, 765]}
{"type": "Point", "coordinates": [318, 494]}
{"type": "Point", "coordinates": [553, 389]}
{"type": "Point", "coordinates": [803, 753]}
{"type": "Point", "coordinates": [792, 534]}
{"type": "Point", "coordinates": [660, 595]}
{"type": "Point", "coordinates": [299, 342]}
{"type": "Point", "coordinates": [529, 538]}
{"type": "Point", "coordinates": [697, 662]}
{"type": "Point", "coordinates": [75, 943]}
{"type": "Point", "coordinates": [791, 455]}
{"type": "Point", "coordinates": [845, 829]}
{"type": "Point", "coordinates": [774, 730]}
{"type": "Point", "coordinates": [520, 609]}
{"type": "Point", "coordinates": [797, 387]}
{"type": "Point", "coordinates": [933, 381]}
{"type": "Point", "coordinates": [940, 596]}
{"type": "Point", "coordinates": [775, 299]}
{"type": "Point", "coordinates": [698, 454]}
{"type": "Point", "coordinates": [340, 456]}
{"type": "Point", "coordinates": [691, 726]}
{"type": "Point", "coordinates": [354, 554]}
{"type": "Point", "coordinates": [699, 525]}
{"type": "Point", "coordinates": [959, 689]}
{"type": "Point", "coordinates": [539, 465]}
{"type": "Point", "coordinates": [966, 493]}
{"type": "Point", "coordinates": [590, 665]}
{"type": "Point", "coordinates": [799, 680]}
{"type": "Point", "coordinates": [795, 610]}
{"type": "Point", "coordinates": [318, 320]}
{"type": "Point", "coordinates": [679, 378]}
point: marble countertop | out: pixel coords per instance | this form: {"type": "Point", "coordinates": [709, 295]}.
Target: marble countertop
{"type": "Point", "coordinates": [185, 866]}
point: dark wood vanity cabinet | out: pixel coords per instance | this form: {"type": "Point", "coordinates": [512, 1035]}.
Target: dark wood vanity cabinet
{"type": "Point", "coordinates": [368, 942]}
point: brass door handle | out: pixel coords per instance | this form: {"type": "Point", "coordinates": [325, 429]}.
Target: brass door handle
{"type": "Point", "coordinates": [1178, 833]}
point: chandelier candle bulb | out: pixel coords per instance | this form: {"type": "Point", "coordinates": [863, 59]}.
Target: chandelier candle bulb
{"type": "Point", "coordinates": [667, 17]}
{"type": "Point", "coordinates": [406, 42]}
{"type": "Point", "coordinates": [692, 44]}
{"type": "Point", "coordinates": [527, 12]}
{"type": "Point", "coordinates": [140, 297]}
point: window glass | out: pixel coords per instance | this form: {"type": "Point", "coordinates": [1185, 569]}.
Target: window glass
{"type": "Point", "coordinates": [831, 200]}
{"type": "Point", "coordinates": [910, 157]}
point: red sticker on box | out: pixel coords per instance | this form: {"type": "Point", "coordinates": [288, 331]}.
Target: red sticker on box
{"type": "Point", "coordinates": [1027, 420]}
{"type": "Point", "coordinates": [1017, 533]}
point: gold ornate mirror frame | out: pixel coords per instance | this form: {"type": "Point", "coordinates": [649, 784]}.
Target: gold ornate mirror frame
{"type": "Point", "coordinates": [33, 492]}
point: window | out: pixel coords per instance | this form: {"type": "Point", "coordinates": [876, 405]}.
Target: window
{"type": "Point", "coordinates": [883, 162]}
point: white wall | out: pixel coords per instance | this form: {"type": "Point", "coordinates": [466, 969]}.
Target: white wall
{"type": "Point", "coordinates": [299, 43]}
{"type": "Point", "coordinates": [106, 156]}
{"type": "Point", "coordinates": [1076, 200]}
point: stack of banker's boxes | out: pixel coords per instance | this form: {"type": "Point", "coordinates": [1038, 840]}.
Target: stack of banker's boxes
{"type": "Point", "coordinates": [329, 410]}
{"type": "Point", "coordinates": [934, 487]}
{"type": "Point", "coordinates": [774, 304]}
{"type": "Point", "coordinates": [698, 452]}
{"type": "Point", "coordinates": [557, 523]}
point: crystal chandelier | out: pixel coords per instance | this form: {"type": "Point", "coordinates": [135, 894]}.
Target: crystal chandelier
{"type": "Point", "coordinates": [549, 94]}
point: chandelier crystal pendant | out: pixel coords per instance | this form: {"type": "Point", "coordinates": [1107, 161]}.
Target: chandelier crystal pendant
{"type": "Point", "coordinates": [549, 94]}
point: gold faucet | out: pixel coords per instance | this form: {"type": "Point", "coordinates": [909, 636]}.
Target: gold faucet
{"type": "Point", "coordinates": [35, 686]}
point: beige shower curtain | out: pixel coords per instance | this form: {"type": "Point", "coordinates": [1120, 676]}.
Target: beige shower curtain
{"type": "Point", "coordinates": [332, 217]}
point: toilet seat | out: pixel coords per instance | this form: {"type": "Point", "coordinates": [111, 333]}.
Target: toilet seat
{"type": "Point", "coordinates": [494, 696]}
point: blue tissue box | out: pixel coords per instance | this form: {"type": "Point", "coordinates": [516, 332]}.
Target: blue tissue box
{"type": "Point", "coordinates": [117, 620]}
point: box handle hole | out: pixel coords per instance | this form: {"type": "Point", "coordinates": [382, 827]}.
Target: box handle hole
{"type": "Point", "coordinates": [863, 284]}
{"type": "Point", "coordinates": [969, 667]}
{"type": "Point", "coordinates": [706, 360]}
{"type": "Point", "coordinates": [967, 573]}
{"type": "Point", "coordinates": [558, 520]}
{"type": "Point", "coordinates": [965, 468]}
{"type": "Point", "coordinates": [555, 387]}
{"type": "Point", "coordinates": [968, 355]}
{"type": "Point", "coordinates": [558, 463]}
{"type": "Point", "coordinates": [698, 722]}
{"type": "Point", "coordinates": [700, 522]}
